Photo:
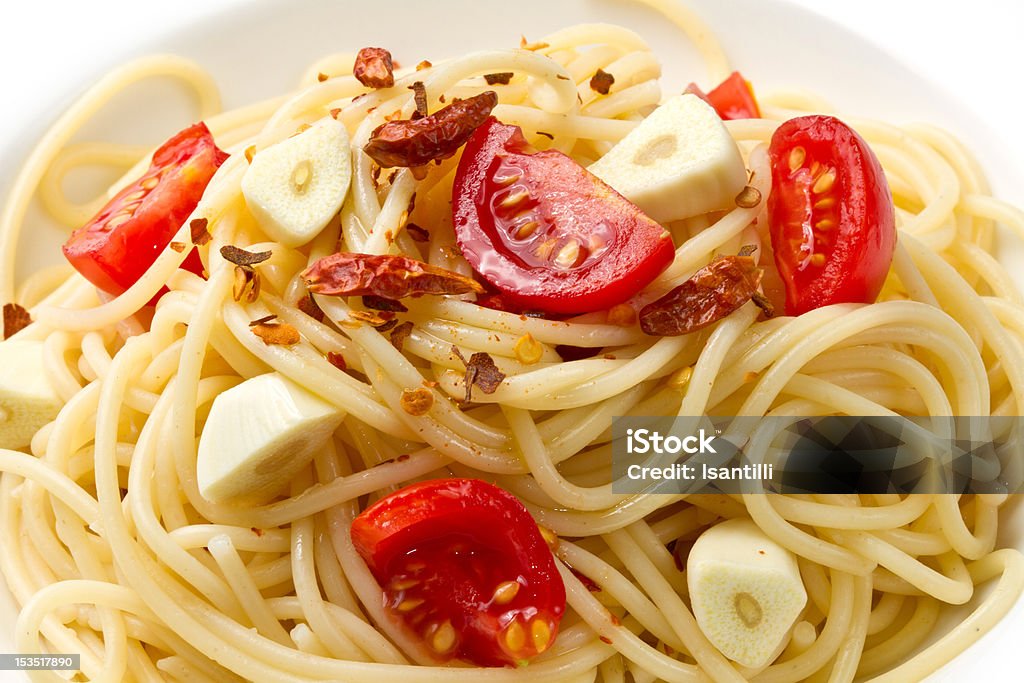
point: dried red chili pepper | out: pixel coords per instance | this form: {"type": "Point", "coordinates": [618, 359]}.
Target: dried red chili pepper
{"type": "Point", "coordinates": [409, 143]}
{"type": "Point", "coordinates": [374, 68]}
{"type": "Point", "coordinates": [391, 277]}
{"type": "Point", "coordinates": [714, 291]}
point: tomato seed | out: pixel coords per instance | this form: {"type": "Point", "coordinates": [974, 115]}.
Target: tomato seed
{"type": "Point", "coordinates": [541, 634]}
{"type": "Point", "coordinates": [568, 255]}
{"type": "Point", "coordinates": [527, 229]}
{"type": "Point", "coordinates": [817, 260]}
{"type": "Point", "coordinates": [824, 183]}
{"type": "Point", "coordinates": [514, 199]}
{"type": "Point", "coordinates": [505, 592]}
{"type": "Point", "coordinates": [443, 640]}
{"type": "Point", "coordinates": [797, 158]}
{"type": "Point", "coordinates": [825, 224]}
{"type": "Point", "coordinates": [515, 636]}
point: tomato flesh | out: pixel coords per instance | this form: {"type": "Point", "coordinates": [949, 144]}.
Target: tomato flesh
{"type": "Point", "coordinates": [732, 99]}
{"type": "Point", "coordinates": [465, 569]}
{"type": "Point", "coordinates": [831, 215]}
{"type": "Point", "coordinates": [123, 240]}
{"type": "Point", "coordinates": [546, 233]}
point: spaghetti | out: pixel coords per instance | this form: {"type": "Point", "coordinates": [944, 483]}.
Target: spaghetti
{"type": "Point", "coordinates": [113, 553]}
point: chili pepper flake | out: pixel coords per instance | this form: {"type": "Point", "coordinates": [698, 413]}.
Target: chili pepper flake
{"type": "Point", "coordinates": [549, 136]}
{"type": "Point", "coordinates": [280, 334]}
{"type": "Point", "coordinates": [425, 64]}
{"type": "Point", "coordinates": [419, 96]}
{"type": "Point", "coordinates": [400, 334]}
{"type": "Point", "coordinates": [310, 307]}
{"type": "Point", "coordinates": [533, 47]}
{"type": "Point", "coordinates": [409, 143]}
{"type": "Point", "coordinates": [264, 319]}
{"type": "Point", "coordinates": [200, 235]}
{"type": "Point", "coordinates": [177, 246]}
{"type": "Point", "coordinates": [241, 257]}
{"type": "Point", "coordinates": [417, 402]}
{"type": "Point", "coordinates": [379, 303]}
{"type": "Point", "coordinates": [321, 77]}
{"type": "Point", "coordinates": [388, 276]}
{"type": "Point", "coordinates": [16, 318]}
{"type": "Point", "coordinates": [602, 82]}
{"type": "Point", "coordinates": [714, 292]}
{"type": "Point", "coordinates": [417, 233]}
{"type": "Point", "coordinates": [337, 360]}
{"type": "Point", "coordinates": [480, 371]}
{"type": "Point", "coordinates": [500, 78]}
{"type": "Point", "coordinates": [374, 68]}
{"type": "Point", "coordinates": [250, 152]}
{"type": "Point", "coordinates": [246, 286]}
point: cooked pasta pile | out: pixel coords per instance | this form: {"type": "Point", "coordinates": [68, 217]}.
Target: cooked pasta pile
{"type": "Point", "coordinates": [113, 553]}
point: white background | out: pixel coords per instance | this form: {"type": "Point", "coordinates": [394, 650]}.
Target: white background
{"type": "Point", "coordinates": [972, 47]}
{"type": "Point", "coordinates": [50, 51]}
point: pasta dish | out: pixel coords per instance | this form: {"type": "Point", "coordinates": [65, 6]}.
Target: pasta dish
{"type": "Point", "coordinates": [324, 387]}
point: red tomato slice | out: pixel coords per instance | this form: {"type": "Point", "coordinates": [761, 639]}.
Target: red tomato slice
{"type": "Point", "coordinates": [830, 214]}
{"type": "Point", "coordinates": [122, 241]}
{"type": "Point", "coordinates": [732, 99]}
{"type": "Point", "coordinates": [465, 568]}
{"type": "Point", "coordinates": [546, 233]}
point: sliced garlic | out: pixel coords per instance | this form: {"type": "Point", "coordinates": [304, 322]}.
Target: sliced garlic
{"type": "Point", "coordinates": [258, 435]}
{"type": "Point", "coordinates": [745, 590]}
{"type": "Point", "coordinates": [295, 187]}
{"type": "Point", "coordinates": [28, 401]}
{"type": "Point", "coordinates": [679, 162]}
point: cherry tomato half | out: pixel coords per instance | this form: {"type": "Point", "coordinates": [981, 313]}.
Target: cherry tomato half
{"type": "Point", "coordinates": [545, 232]}
{"type": "Point", "coordinates": [732, 99]}
{"type": "Point", "coordinates": [465, 568]}
{"type": "Point", "coordinates": [830, 214]}
{"type": "Point", "coordinates": [122, 241]}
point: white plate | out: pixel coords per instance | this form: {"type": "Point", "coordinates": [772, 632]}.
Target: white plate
{"type": "Point", "coordinates": [257, 50]}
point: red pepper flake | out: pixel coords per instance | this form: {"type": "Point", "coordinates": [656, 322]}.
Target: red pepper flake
{"type": "Point", "coordinates": [601, 82]}
{"type": "Point", "coordinates": [403, 457]}
{"type": "Point", "coordinates": [587, 582]}
{"type": "Point", "coordinates": [570, 353]}
{"type": "Point", "coordinates": [400, 334]}
{"type": "Point", "coordinates": [417, 402]}
{"type": "Point", "coordinates": [177, 246]}
{"type": "Point", "coordinates": [337, 360]}
{"type": "Point", "coordinates": [241, 257]}
{"type": "Point", "coordinates": [200, 235]}
{"type": "Point", "coordinates": [606, 640]}
{"type": "Point", "coordinates": [419, 96]}
{"type": "Point", "coordinates": [280, 334]}
{"type": "Point", "coordinates": [379, 303]}
{"type": "Point", "coordinates": [441, 99]}
{"type": "Point", "coordinates": [374, 68]}
{"type": "Point", "coordinates": [368, 317]}
{"type": "Point", "coordinates": [335, 113]}
{"type": "Point", "coordinates": [309, 306]}
{"type": "Point", "coordinates": [501, 78]}
{"type": "Point", "coordinates": [16, 318]}
{"type": "Point", "coordinates": [615, 620]}
{"type": "Point", "coordinates": [258, 532]}
{"type": "Point", "coordinates": [388, 276]}
{"type": "Point", "coordinates": [480, 371]}
{"type": "Point", "coordinates": [264, 319]}
{"type": "Point", "coordinates": [417, 233]}
{"type": "Point", "coordinates": [523, 44]}
{"type": "Point", "coordinates": [549, 136]}
{"type": "Point", "coordinates": [714, 291]}
{"type": "Point", "coordinates": [438, 136]}
{"type": "Point", "coordinates": [250, 152]}
{"type": "Point", "coordinates": [423, 65]}
{"type": "Point", "coordinates": [321, 77]}
{"type": "Point", "coordinates": [562, 78]}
